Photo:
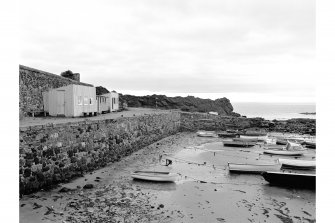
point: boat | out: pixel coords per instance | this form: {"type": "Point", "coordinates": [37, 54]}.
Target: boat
{"type": "Point", "coordinates": [297, 164]}
{"type": "Point", "coordinates": [253, 168]}
{"type": "Point", "coordinates": [281, 141]}
{"type": "Point", "coordinates": [245, 139]}
{"type": "Point", "coordinates": [227, 135]}
{"type": "Point", "coordinates": [259, 138]}
{"type": "Point", "coordinates": [159, 176]}
{"type": "Point", "coordinates": [238, 144]}
{"type": "Point", "coordinates": [276, 147]}
{"type": "Point", "coordinates": [284, 141]}
{"type": "Point", "coordinates": [309, 144]}
{"type": "Point", "coordinates": [283, 152]}
{"type": "Point", "coordinates": [255, 133]}
{"type": "Point", "coordinates": [206, 134]}
{"type": "Point", "coordinates": [290, 179]}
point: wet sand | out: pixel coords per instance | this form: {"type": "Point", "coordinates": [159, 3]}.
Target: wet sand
{"type": "Point", "coordinates": [204, 192]}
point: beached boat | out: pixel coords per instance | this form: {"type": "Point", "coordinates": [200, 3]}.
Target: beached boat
{"type": "Point", "coordinates": [158, 176]}
{"type": "Point", "coordinates": [245, 139]}
{"type": "Point", "coordinates": [283, 152]}
{"type": "Point", "coordinates": [253, 168]}
{"type": "Point", "coordinates": [284, 141]}
{"type": "Point", "coordinates": [238, 144]}
{"type": "Point", "coordinates": [206, 134]}
{"type": "Point", "coordinates": [281, 141]}
{"type": "Point", "coordinates": [309, 144]}
{"type": "Point", "coordinates": [276, 147]}
{"type": "Point", "coordinates": [259, 138]}
{"type": "Point", "coordinates": [290, 179]}
{"type": "Point", "coordinates": [227, 134]}
{"type": "Point", "coordinates": [255, 133]}
{"type": "Point", "coordinates": [297, 164]}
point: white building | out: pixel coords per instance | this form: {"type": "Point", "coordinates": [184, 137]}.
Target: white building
{"type": "Point", "coordinates": [70, 101]}
{"type": "Point", "coordinates": [113, 101]}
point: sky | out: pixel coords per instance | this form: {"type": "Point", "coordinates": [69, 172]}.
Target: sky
{"type": "Point", "coordinates": [247, 51]}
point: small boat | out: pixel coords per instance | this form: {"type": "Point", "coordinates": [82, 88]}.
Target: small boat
{"type": "Point", "coordinates": [238, 144]}
{"type": "Point", "coordinates": [283, 152]}
{"type": "Point", "coordinates": [281, 141]}
{"type": "Point", "coordinates": [290, 179]}
{"type": "Point", "coordinates": [259, 138]}
{"type": "Point", "coordinates": [284, 141]}
{"type": "Point", "coordinates": [309, 144]}
{"type": "Point", "coordinates": [206, 134]}
{"type": "Point", "coordinates": [276, 147]}
{"type": "Point", "coordinates": [255, 133]}
{"type": "Point", "coordinates": [158, 176]}
{"type": "Point", "coordinates": [253, 168]}
{"type": "Point", "coordinates": [245, 139]}
{"type": "Point", "coordinates": [227, 135]}
{"type": "Point", "coordinates": [297, 164]}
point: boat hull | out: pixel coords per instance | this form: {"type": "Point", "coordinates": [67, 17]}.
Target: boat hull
{"type": "Point", "coordinates": [290, 179]}
{"type": "Point", "coordinates": [259, 138]}
{"type": "Point", "coordinates": [238, 144]}
{"type": "Point", "coordinates": [283, 152]}
{"type": "Point", "coordinates": [253, 168]}
{"type": "Point", "coordinates": [206, 134]}
{"type": "Point", "coordinates": [297, 164]}
{"type": "Point", "coordinates": [154, 176]}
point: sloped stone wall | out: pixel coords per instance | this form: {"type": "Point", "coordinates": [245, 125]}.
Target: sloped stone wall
{"type": "Point", "coordinates": [50, 154]}
{"type": "Point", "coordinates": [33, 82]}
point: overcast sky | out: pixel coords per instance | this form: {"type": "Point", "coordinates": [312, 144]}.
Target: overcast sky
{"type": "Point", "coordinates": [259, 50]}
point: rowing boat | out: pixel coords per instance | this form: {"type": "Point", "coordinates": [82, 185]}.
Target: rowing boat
{"type": "Point", "coordinates": [158, 176]}
{"type": "Point", "coordinates": [206, 134]}
{"type": "Point", "coordinates": [309, 144]}
{"type": "Point", "coordinates": [297, 164]}
{"type": "Point", "coordinates": [238, 144]}
{"type": "Point", "coordinates": [255, 133]}
{"type": "Point", "coordinates": [283, 152]}
{"type": "Point", "coordinates": [227, 134]}
{"type": "Point", "coordinates": [245, 139]}
{"type": "Point", "coordinates": [259, 138]}
{"type": "Point", "coordinates": [290, 179]}
{"type": "Point", "coordinates": [253, 168]}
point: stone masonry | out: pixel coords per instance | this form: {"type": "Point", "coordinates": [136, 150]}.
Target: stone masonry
{"type": "Point", "coordinates": [51, 154]}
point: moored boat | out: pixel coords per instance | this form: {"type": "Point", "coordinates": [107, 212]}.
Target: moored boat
{"type": "Point", "coordinates": [238, 144]}
{"type": "Point", "coordinates": [253, 168]}
{"type": "Point", "coordinates": [297, 164]}
{"type": "Point", "coordinates": [283, 152]}
{"type": "Point", "coordinates": [255, 133]}
{"type": "Point", "coordinates": [259, 138]}
{"type": "Point", "coordinates": [206, 134]}
{"type": "Point", "coordinates": [290, 179]}
{"type": "Point", "coordinates": [245, 139]}
{"type": "Point", "coordinates": [155, 176]}
{"type": "Point", "coordinates": [227, 134]}
{"type": "Point", "coordinates": [309, 144]}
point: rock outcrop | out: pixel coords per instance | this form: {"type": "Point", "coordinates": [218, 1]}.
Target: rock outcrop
{"type": "Point", "coordinates": [189, 104]}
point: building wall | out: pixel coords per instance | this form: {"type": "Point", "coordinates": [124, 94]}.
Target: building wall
{"type": "Point", "coordinates": [114, 100]}
{"type": "Point", "coordinates": [33, 82]}
{"type": "Point", "coordinates": [85, 92]}
{"type": "Point", "coordinates": [50, 154]}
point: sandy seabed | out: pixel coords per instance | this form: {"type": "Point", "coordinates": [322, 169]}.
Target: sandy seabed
{"type": "Point", "coordinates": [204, 192]}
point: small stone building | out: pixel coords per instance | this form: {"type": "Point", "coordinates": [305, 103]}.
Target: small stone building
{"type": "Point", "coordinates": [70, 101]}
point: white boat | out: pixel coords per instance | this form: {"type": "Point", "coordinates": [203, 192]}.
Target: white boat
{"type": "Point", "coordinates": [298, 164]}
{"type": "Point", "coordinates": [158, 176]}
{"type": "Point", "coordinates": [283, 152]}
{"type": "Point", "coordinates": [259, 138]}
{"type": "Point", "coordinates": [253, 168]}
{"type": "Point", "coordinates": [276, 147]}
{"type": "Point", "coordinates": [206, 134]}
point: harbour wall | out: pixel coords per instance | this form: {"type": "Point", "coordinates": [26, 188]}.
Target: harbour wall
{"type": "Point", "coordinates": [50, 154]}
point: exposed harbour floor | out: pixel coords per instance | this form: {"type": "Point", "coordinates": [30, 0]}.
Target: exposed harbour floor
{"type": "Point", "coordinates": [204, 192]}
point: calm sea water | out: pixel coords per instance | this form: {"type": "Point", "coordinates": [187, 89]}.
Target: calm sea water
{"type": "Point", "coordinates": [270, 111]}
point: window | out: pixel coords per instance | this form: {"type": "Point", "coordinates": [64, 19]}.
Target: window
{"type": "Point", "coordinates": [85, 101]}
{"type": "Point", "coordinates": [91, 101]}
{"type": "Point", "coordinates": [80, 102]}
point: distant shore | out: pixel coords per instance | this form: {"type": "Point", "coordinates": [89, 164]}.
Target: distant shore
{"type": "Point", "coordinates": [308, 113]}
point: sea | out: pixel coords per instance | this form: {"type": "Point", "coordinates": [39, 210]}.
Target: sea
{"type": "Point", "coordinates": [271, 111]}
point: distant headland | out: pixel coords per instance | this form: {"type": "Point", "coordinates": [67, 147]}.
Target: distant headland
{"type": "Point", "coordinates": [308, 113]}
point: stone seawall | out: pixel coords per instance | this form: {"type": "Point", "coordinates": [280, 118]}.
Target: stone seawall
{"type": "Point", "coordinates": [50, 154]}
{"type": "Point", "coordinates": [33, 82]}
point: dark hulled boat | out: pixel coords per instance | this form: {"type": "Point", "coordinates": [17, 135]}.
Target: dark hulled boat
{"type": "Point", "coordinates": [290, 179]}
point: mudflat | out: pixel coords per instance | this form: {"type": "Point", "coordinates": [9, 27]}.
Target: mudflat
{"type": "Point", "coordinates": [204, 192]}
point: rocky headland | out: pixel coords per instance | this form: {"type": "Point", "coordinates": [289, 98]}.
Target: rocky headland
{"type": "Point", "coordinates": [188, 104]}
